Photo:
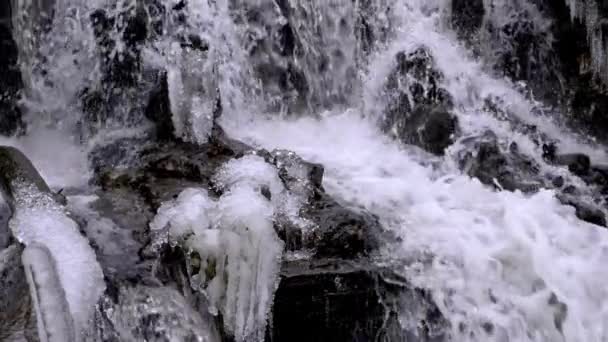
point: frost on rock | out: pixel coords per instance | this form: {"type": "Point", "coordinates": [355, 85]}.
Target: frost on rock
{"type": "Point", "coordinates": [59, 260]}
{"type": "Point", "coordinates": [234, 251]}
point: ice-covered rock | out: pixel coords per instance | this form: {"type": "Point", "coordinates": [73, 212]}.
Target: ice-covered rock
{"type": "Point", "coordinates": [234, 252]}
{"type": "Point", "coordinates": [57, 250]}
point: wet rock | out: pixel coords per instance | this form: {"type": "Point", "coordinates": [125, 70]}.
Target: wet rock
{"type": "Point", "coordinates": [5, 215]}
{"type": "Point", "coordinates": [10, 114]}
{"type": "Point", "coordinates": [158, 110]}
{"type": "Point", "coordinates": [418, 111]}
{"type": "Point", "coordinates": [146, 313]}
{"type": "Point", "coordinates": [338, 231]}
{"type": "Point", "coordinates": [431, 128]}
{"type": "Point", "coordinates": [579, 164]}
{"type": "Point", "coordinates": [116, 224]}
{"type": "Point", "coordinates": [122, 96]}
{"type": "Point", "coordinates": [17, 320]}
{"type": "Point", "coordinates": [598, 176]}
{"type": "Point", "coordinates": [299, 176]}
{"type": "Point", "coordinates": [349, 302]}
{"type": "Point", "coordinates": [17, 170]}
{"type": "Point", "coordinates": [584, 211]}
{"type": "Point", "coordinates": [492, 165]}
{"type": "Point", "coordinates": [467, 16]}
{"type": "Point", "coordinates": [341, 232]}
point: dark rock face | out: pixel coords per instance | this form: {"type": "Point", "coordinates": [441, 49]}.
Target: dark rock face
{"type": "Point", "coordinates": [158, 109]}
{"type": "Point", "coordinates": [422, 118]}
{"type": "Point", "coordinates": [124, 79]}
{"type": "Point", "coordinates": [584, 211]}
{"type": "Point", "coordinates": [344, 302]}
{"type": "Point", "coordinates": [16, 316]}
{"type": "Point", "coordinates": [467, 17]}
{"type": "Point", "coordinates": [15, 170]}
{"type": "Point", "coordinates": [578, 164]}
{"type": "Point", "coordinates": [12, 84]}
{"type": "Point", "coordinates": [509, 170]}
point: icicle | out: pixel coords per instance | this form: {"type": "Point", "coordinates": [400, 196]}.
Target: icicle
{"type": "Point", "coordinates": [52, 312]}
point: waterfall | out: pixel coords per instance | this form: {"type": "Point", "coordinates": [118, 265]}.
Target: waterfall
{"type": "Point", "coordinates": [398, 106]}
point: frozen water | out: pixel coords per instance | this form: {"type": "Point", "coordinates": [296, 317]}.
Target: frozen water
{"type": "Point", "coordinates": [237, 249]}
{"type": "Point", "coordinates": [39, 221]}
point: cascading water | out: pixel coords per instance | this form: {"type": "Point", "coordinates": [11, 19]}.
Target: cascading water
{"type": "Point", "coordinates": [340, 83]}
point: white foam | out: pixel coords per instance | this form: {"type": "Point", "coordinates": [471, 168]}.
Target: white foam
{"type": "Point", "coordinates": [521, 249]}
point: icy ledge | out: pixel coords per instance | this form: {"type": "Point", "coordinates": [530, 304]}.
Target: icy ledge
{"type": "Point", "coordinates": [232, 241]}
{"type": "Point", "coordinates": [63, 274]}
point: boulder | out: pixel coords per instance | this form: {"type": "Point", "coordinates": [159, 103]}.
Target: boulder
{"type": "Point", "coordinates": [584, 211]}
{"type": "Point", "coordinates": [333, 300]}
{"type": "Point", "coordinates": [17, 320]}
{"type": "Point", "coordinates": [17, 171]}
{"type": "Point", "coordinates": [577, 163]}
{"type": "Point", "coordinates": [485, 160]}
{"type": "Point", "coordinates": [419, 110]}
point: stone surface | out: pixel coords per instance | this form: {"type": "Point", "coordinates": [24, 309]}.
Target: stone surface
{"type": "Point", "coordinates": [584, 211]}
{"type": "Point", "coordinates": [10, 88]}
{"type": "Point", "coordinates": [418, 111]}
{"type": "Point", "coordinates": [17, 319]}
{"type": "Point", "coordinates": [492, 165]}
{"type": "Point", "coordinates": [467, 16]}
{"type": "Point", "coordinates": [15, 170]}
{"type": "Point", "coordinates": [349, 302]}
{"type": "Point", "coordinates": [144, 313]}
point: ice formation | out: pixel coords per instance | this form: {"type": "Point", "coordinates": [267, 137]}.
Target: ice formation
{"type": "Point", "coordinates": [232, 242]}
{"type": "Point", "coordinates": [589, 13]}
{"type": "Point", "coordinates": [57, 252]}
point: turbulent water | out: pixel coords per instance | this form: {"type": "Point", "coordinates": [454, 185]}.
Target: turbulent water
{"type": "Point", "coordinates": [501, 266]}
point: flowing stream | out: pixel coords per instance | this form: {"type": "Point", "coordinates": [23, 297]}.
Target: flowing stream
{"type": "Point", "coordinates": [500, 265]}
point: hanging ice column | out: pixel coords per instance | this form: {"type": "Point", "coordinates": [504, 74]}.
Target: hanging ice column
{"type": "Point", "coordinates": [64, 277]}
{"type": "Point", "coordinates": [233, 249]}
{"type": "Point", "coordinates": [590, 13]}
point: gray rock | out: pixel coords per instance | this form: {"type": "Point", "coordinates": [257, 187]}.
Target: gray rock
{"type": "Point", "coordinates": [155, 314]}
{"type": "Point", "coordinates": [16, 171]}
{"type": "Point", "coordinates": [418, 110]}
{"type": "Point", "coordinates": [584, 210]}
{"type": "Point", "coordinates": [507, 169]}
{"type": "Point", "coordinates": [16, 316]}
{"type": "Point", "coordinates": [351, 301]}
{"type": "Point", "coordinates": [578, 163]}
{"type": "Point", "coordinates": [12, 84]}
{"type": "Point", "coordinates": [467, 17]}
